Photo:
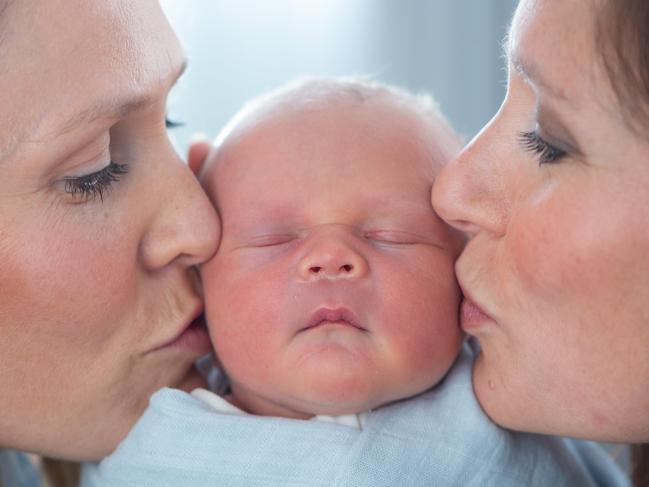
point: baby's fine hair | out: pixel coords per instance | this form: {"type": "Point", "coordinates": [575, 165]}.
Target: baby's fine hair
{"type": "Point", "coordinates": [311, 92]}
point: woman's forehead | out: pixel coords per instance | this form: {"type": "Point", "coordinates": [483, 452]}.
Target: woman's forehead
{"type": "Point", "coordinates": [79, 56]}
{"type": "Point", "coordinates": [557, 59]}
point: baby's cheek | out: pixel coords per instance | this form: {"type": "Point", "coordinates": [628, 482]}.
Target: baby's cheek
{"type": "Point", "coordinates": [425, 335]}
{"type": "Point", "coordinates": [241, 352]}
{"type": "Point", "coordinates": [241, 312]}
{"type": "Point", "coordinates": [210, 277]}
{"type": "Point", "coordinates": [435, 342]}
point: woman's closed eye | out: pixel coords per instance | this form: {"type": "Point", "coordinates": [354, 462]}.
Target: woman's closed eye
{"type": "Point", "coordinates": [546, 153]}
{"type": "Point", "coordinates": [95, 185]}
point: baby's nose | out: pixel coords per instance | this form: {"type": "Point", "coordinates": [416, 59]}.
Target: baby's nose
{"type": "Point", "coordinates": [331, 257]}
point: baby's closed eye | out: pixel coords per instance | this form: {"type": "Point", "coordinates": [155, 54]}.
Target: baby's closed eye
{"type": "Point", "coordinates": [393, 237]}
{"type": "Point", "coordinates": [271, 240]}
{"type": "Point", "coordinates": [397, 237]}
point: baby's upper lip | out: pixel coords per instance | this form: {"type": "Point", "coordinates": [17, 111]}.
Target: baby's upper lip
{"type": "Point", "coordinates": [333, 315]}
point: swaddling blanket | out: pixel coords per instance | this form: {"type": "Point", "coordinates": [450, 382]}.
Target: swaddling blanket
{"type": "Point", "coordinates": [438, 438]}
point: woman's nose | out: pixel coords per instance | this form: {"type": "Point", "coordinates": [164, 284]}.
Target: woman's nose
{"type": "Point", "coordinates": [332, 257]}
{"type": "Point", "coordinates": [469, 193]}
{"type": "Point", "coordinates": [185, 226]}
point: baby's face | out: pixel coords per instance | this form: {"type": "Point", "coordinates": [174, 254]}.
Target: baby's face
{"type": "Point", "coordinates": [333, 288]}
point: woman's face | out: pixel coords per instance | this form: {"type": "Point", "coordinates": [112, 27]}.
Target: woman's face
{"type": "Point", "coordinates": [554, 194]}
{"type": "Point", "coordinates": [96, 257]}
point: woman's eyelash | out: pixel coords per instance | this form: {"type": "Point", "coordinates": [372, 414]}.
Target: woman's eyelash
{"type": "Point", "coordinates": [172, 124]}
{"type": "Point", "coordinates": [97, 184]}
{"type": "Point", "coordinates": [534, 143]}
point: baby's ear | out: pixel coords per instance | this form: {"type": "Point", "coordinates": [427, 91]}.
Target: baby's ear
{"type": "Point", "coordinates": [199, 147]}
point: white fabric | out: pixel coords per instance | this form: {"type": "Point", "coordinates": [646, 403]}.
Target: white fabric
{"type": "Point", "coordinates": [222, 406]}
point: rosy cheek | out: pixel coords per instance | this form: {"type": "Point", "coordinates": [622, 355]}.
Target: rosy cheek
{"type": "Point", "coordinates": [209, 273]}
{"type": "Point", "coordinates": [243, 307]}
{"type": "Point", "coordinates": [431, 316]}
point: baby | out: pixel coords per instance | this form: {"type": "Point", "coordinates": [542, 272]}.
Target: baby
{"type": "Point", "coordinates": [332, 292]}
{"type": "Point", "coordinates": [332, 297]}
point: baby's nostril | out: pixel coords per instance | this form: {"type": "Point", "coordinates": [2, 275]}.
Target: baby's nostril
{"type": "Point", "coordinates": [347, 268]}
{"type": "Point", "coordinates": [315, 269]}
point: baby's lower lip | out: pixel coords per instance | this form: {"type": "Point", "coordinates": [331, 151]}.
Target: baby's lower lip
{"type": "Point", "coordinates": [325, 323]}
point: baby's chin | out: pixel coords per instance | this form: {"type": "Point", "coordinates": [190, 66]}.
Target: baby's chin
{"type": "Point", "coordinates": [353, 402]}
{"type": "Point", "coordinates": [336, 395]}
{"type": "Point", "coordinates": [327, 398]}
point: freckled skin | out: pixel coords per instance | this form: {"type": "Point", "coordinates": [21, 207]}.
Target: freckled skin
{"type": "Point", "coordinates": [558, 251]}
{"type": "Point", "coordinates": [334, 179]}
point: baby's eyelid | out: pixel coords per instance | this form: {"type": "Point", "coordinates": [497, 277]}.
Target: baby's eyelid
{"type": "Point", "coordinates": [395, 236]}
{"type": "Point", "coordinates": [269, 240]}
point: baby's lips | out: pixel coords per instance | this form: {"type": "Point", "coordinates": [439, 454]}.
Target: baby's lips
{"type": "Point", "coordinates": [333, 315]}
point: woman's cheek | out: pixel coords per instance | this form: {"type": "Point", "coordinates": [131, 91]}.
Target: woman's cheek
{"type": "Point", "coordinates": [74, 270]}
{"type": "Point", "coordinates": [547, 241]}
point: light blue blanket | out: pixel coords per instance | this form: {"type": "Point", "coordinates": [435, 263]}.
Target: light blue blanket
{"type": "Point", "coordinates": [439, 438]}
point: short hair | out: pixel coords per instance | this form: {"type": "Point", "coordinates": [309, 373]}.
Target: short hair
{"type": "Point", "coordinates": [315, 92]}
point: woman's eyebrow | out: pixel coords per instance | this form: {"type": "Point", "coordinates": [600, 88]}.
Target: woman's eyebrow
{"type": "Point", "coordinates": [530, 72]}
{"type": "Point", "coordinates": [116, 107]}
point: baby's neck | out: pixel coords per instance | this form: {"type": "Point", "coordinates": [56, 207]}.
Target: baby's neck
{"type": "Point", "coordinates": [261, 407]}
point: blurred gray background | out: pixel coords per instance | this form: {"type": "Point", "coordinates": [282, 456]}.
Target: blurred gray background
{"type": "Point", "coordinates": [238, 49]}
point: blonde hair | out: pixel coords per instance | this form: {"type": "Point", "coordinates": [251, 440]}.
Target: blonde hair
{"type": "Point", "coordinates": [310, 92]}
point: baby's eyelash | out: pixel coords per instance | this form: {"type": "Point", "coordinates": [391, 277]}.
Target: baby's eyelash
{"type": "Point", "coordinates": [97, 184]}
{"type": "Point", "coordinates": [532, 142]}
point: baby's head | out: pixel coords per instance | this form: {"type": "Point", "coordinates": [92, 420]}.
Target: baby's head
{"type": "Point", "coordinates": [333, 289]}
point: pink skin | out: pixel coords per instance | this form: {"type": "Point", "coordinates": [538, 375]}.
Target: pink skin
{"type": "Point", "coordinates": [332, 291]}
{"type": "Point", "coordinates": [95, 296]}
{"type": "Point", "coordinates": [557, 262]}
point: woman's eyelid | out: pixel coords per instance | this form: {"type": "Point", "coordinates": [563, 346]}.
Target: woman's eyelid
{"type": "Point", "coordinates": [556, 141]}
{"type": "Point", "coordinates": [91, 155]}
{"type": "Point", "coordinates": [89, 168]}
{"type": "Point", "coordinates": [551, 127]}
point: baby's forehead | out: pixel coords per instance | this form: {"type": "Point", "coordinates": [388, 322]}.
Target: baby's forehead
{"type": "Point", "coordinates": [342, 136]}
{"type": "Point", "coordinates": [304, 118]}
{"type": "Point", "coordinates": [317, 125]}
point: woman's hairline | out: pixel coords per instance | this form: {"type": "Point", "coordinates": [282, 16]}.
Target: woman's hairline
{"type": "Point", "coordinates": [619, 42]}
